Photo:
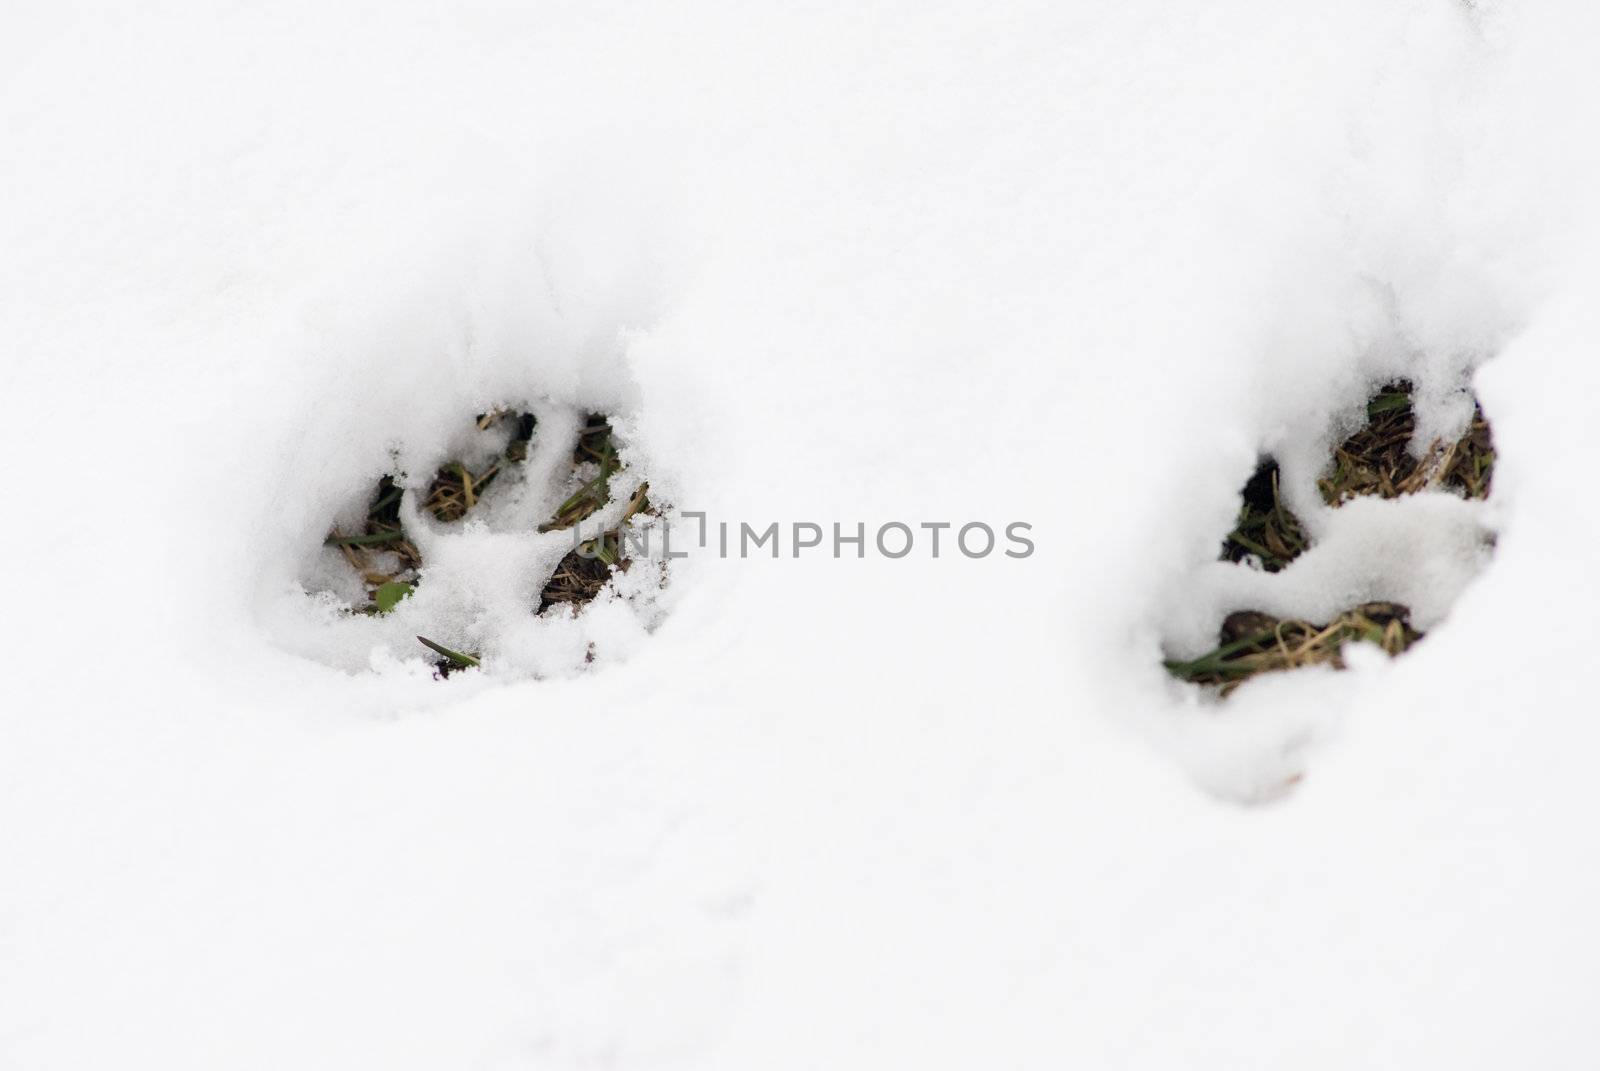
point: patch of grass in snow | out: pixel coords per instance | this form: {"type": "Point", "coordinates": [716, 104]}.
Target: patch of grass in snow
{"type": "Point", "coordinates": [1255, 643]}
{"type": "Point", "coordinates": [381, 553]}
{"type": "Point", "coordinates": [455, 488]}
{"type": "Point", "coordinates": [453, 659]}
{"type": "Point", "coordinates": [595, 448]}
{"type": "Point", "coordinates": [1376, 460]}
{"type": "Point", "coordinates": [583, 573]}
{"type": "Point", "coordinates": [386, 559]}
{"type": "Point", "coordinates": [1265, 528]}
{"type": "Point", "coordinates": [581, 576]}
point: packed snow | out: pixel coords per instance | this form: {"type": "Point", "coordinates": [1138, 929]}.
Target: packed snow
{"type": "Point", "coordinates": [1074, 266]}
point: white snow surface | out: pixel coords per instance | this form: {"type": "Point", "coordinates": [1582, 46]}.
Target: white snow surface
{"type": "Point", "coordinates": [1074, 264]}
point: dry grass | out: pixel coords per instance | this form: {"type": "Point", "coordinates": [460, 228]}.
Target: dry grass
{"type": "Point", "coordinates": [581, 576]}
{"type": "Point", "coordinates": [1468, 464]}
{"type": "Point", "coordinates": [1265, 528]}
{"type": "Point", "coordinates": [584, 571]}
{"type": "Point", "coordinates": [1253, 643]}
{"type": "Point", "coordinates": [594, 447]}
{"type": "Point", "coordinates": [1377, 460]}
{"type": "Point", "coordinates": [455, 489]}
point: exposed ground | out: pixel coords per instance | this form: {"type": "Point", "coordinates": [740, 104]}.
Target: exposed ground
{"type": "Point", "coordinates": [1255, 643]}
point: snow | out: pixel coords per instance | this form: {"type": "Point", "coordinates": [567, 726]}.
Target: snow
{"type": "Point", "coordinates": [1075, 265]}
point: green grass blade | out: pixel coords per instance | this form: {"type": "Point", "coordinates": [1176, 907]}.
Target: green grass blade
{"type": "Point", "coordinates": [465, 661]}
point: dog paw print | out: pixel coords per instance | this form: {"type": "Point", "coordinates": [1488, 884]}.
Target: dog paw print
{"type": "Point", "coordinates": [1370, 547]}
{"type": "Point", "coordinates": [524, 548]}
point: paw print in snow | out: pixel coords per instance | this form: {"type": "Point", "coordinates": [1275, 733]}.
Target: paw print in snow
{"type": "Point", "coordinates": [522, 552]}
{"type": "Point", "coordinates": [1373, 545]}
